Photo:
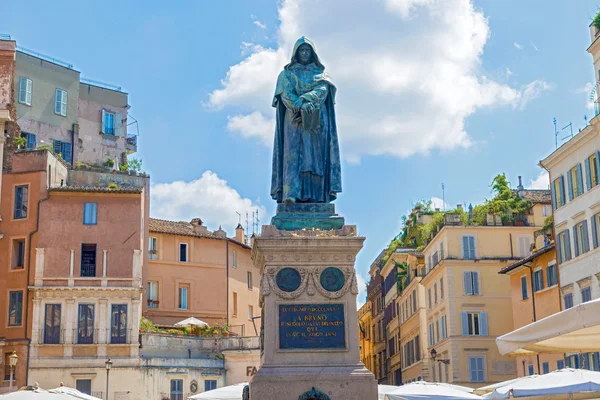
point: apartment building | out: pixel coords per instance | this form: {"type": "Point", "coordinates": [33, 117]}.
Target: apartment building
{"type": "Point", "coordinates": [74, 252]}
{"type": "Point", "coordinates": [194, 272]}
{"type": "Point", "coordinates": [535, 295]}
{"type": "Point", "coordinates": [82, 120]}
{"type": "Point", "coordinates": [375, 296]}
{"type": "Point", "coordinates": [365, 322]}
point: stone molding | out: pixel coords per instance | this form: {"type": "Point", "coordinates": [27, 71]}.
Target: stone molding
{"type": "Point", "coordinates": [85, 292]}
{"type": "Point", "coordinates": [309, 282]}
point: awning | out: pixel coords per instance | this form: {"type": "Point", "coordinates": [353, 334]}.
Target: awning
{"type": "Point", "coordinates": [191, 321]}
{"type": "Point", "coordinates": [570, 331]}
{"type": "Point", "coordinates": [432, 391]}
{"type": "Point", "coordinates": [233, 392]}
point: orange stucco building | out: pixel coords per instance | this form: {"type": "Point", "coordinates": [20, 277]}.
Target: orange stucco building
{"type": "Point", "coordinates": [194, 272]}
{"type": "Point", "coordinates": [535, 294]}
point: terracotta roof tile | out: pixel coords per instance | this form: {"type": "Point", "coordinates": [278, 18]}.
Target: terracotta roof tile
{"type": "Point", "coordinates": [537, 196]}
{"type": "Point", "coordinates": [95, 189]}
{"type": "Point", "coordinates": [177, 228]}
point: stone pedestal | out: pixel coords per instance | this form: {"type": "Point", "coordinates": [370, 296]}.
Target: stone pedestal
{"type": "Point", "coordinates": [310, 330]}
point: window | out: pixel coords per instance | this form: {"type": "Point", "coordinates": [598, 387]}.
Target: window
{"type": "Point", "coordinates": [249, 278]}
{"type": "Point", "coordinates": [545, 367]}
{"type": "Point", "coordinates": [118, 325]}
{"type": "Point", "coordinates": [538, 280]}
{"type": "Point", "coordinates": [568, 300]}
{"type": "Point", "coordinates": [581, 238]}
{"type": "Point", "coordinates": [18, 254]}
{"type": "Point", "coordinates": [444, 327]}
{"type": "Point", "coordinates": [176, 389]}
{"type": "Point", "coordinates": [435, 293]}
{"type": "Point", "coordinates": [437, 331]}
{"type": "Point", "coordinates": [564, 246]}
{"type": "Point", "coordinates": [88, 260]}
{"type": "Point", "coordinates": [523, 246]}
{"type": "Point", "coordinates": [235, 304]}
{"type": "Point", "coordinates": [25, 89]}
{"type": "Point", "coordinates": [52, 324]}
{"type": "Point", "coordinates": [530, 370]}
{"type": "Point", "coordinates": [471, 283]}
{"type": "Point", "coordinates": [183, 252]}
{"type": "Point", "coordinates": [551, 275]}
{"type": "Point", "coordinates": [441, 288]}
{"type": "Point", "coordinates": [21, 202]}
{"type": "Point", "coordinates": [31, 141]}
{"type": "Point", "coordinates": [64, 150]}
{"type": "Point", "coordinates": [592, 168]}
{"type": "Point", "coordinates": [85, 324]}
{"type": "Point", "coordinates": [15, 308]}
{"type": "Point", "coordinates": [152, 248]}
{"type": "Point", "coordinates": [476, 369]}
{"type": "Point", "coordinates": [90, 213]}
{"type": "Point", "coordinates": [152, 294]}
{"type": "Point", "coordinates": [546, 210]}
{"type": "Point", "coordinates": [429, 297]}
{"type": "Point", "coordinates": [474, 323]}
{"type": "Point", "coordinates": [108, 122]}
{"type": "Point", "coordinates": [446, 372]}
{"type": "Point", "coordinates": [234, 259]}
{"type": "Point", "coordinates": [468, 247]}
{"type": "Point", "coordinates": [414, 300]}
{"type": "Point", "coordinates": [250, 312]}
{"type": "Point", "coordinates": [183, 298]}
{"type": "Point", "coordinates": [575, 182]}
{"type": "Point", "coordinates": [210, 384]}
{"type": "Point", "coordinates": [440, 371]}
{"type": "Point", "coordinates": [60, 102]}
{"type": "Point", "coordinates": [524, 287]}
{"type": "Point", "coordinates": [84, 386]}
{"type": "Point", "coordinates": [558, 192]}
{"type": "Point", "coordinates": [596, 230]}
{"type": "Point", "coordinates": [586, 294]}
{"type": "Point", "coordinates": [560, 364]}
{"type": "Point", "coordinates": [430, 335]}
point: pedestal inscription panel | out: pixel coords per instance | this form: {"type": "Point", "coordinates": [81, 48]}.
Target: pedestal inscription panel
{"type": "Point", "coordinates": [311, 326]}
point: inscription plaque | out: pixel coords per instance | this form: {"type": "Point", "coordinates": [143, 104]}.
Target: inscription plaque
{"type": "Point", "coordinates": [311, 326]}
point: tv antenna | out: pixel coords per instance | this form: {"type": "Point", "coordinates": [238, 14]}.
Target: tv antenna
{"type": "Point", "coordinates": [239, 218]}
{"type": "Point", "coordinates": [443, 198]}
{"type": "Point", "coordinates": [556, 132]}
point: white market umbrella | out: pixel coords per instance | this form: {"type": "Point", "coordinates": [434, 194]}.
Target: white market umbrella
{"type": "Point", "coordinates": [433, 391]}
{"type": "Point", "coordinates": [73, 392]}
{"type": "Point", "coordinates": [490, 388]}
{"type": "Point", "coordinates": [233, 392]}
{"type": "Point", "coordinates": [382, 390]}
{"type": "Point", "coordinates": [29, 393]}
{"type": "Point", "coordinates": [563, 382]}
{"type": "Point", "coordinates": [191, 321]}
{"type": "Point", "coordinates": [574, 330]}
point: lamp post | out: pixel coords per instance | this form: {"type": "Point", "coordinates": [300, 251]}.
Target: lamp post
{"type": "Point", "coordinates": [108, 365]}
{"type": "Point", "coordinates": [433, 355]}
{"type": "Point", "coordinates": [12, 360]}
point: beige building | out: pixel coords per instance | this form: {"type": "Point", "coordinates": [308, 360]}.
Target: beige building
{"type": "Point", "coordinates": [194, 272]}
{"type": "Point", "coordinates": [365, 322]}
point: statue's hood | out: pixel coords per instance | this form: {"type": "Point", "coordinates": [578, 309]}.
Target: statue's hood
{"type": "Point", "coordinates": [300, 42]}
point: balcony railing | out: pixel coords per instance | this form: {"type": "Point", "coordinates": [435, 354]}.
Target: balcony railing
{"type": "Point", "coordinates": [153, 303]}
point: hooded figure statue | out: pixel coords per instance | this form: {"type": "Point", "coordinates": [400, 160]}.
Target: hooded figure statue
{"type": "Point", "coordinates": [306, 156]}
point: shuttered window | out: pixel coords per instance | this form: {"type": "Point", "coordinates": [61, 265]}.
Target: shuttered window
{"type": "Point", "coordinates": [25, 90]}
{"type": "Point", "coordinates": [568, 301]}
{"type": "Point", "coordinates": [564, 246]}
{"type": "Point", "coordinates": [592, 168]}
{"type": "Point", "coordinates": [524, 287]}
{"type": "Point", "coordinates": [476, 369]}
{"type": "Point", "coordinates": [90, 211]}
{"type": "Point", "coordinates": [551, 277]}
{"type": "Point", "coordinates": [538, 280]}
{"type": "Point", "coordinates": [468, 247]}
{"type": "Point", "coordinates": [63, 150]}
{"type": "Point", "coordinates": [471, 283]}
{"type": "Point", "coordinates": [586, 294]}
{"type": "Point", "coordinates": [558, 192]}
{"type": "Point", "coordinates": [474, 323]}
{"type": "Point", "coordinates": [60, 102]}
{"type": "Point", "coordinates": [444, 327]}
{"type": "Point", "coordinates": [596, 230]}
{"type": "Point", "coordinates": [581, 238]}
{"type": "Point", "coordinates": [575, 182]}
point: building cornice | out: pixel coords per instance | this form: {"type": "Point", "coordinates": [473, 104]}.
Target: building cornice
{"type": "Point", "coordinates": [579, 140]}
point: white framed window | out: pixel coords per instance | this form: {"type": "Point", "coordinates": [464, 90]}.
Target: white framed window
{"type": "Point", "coordinates": [183, 252]}
{"type": "Point", "coordinates": [108, 122]}
{"type": "Point", "coordinates": [477, 369]}
{"type": "Point", "coordinates": [558, 192]}
{"type": "Point", "coordinates": [250, 313]}
{"type": "Point", "coordinates": [152, 294]}
{"type": "Point", "coordinates": [471, 283]}
{"type": "Point", "coordinates": [441, 288]}
{"type": "Point", "coordinates": [183, 298]}
{"type": "Point", "coordinates": [524, 290]}
{"type": "Point", "coordinates": [563, 246]}
{"type": "Point", "coordinates": [538, 280]}
{"type": "Point", "coordinates": [592, 168]}
{"type": "Point", "coordinates": [429, 297]}
{"type": "Point", "coordinates": [444, 327]}
{"type": "Point", "coordinates": [25, 90]}
{"type": "Point", "coordinates": [546, 210]}
{"type": "Point", "coordinates": [581, 238]}
{"type": "Point", "coordinates": [468, 248]}
{"type": "Point", "coordinates": [551, 277]}
{"type": "Point", "coordinates": [234, 259]}
{"type": "Point", "coordinates": [249, 279]}
{"type": "Point", "coordinates": [575, 182]}
{"type": "Point", "coordinates": [523, 246]}
{"type": "Point", "coordinates": [430, 335]}
{"type": "Point", "coordinates": [474, 323]}
{"type": "Point", "coordinates": [435, 293]}
{"type": "Point", "coordinates": [235, 304]}
{"type": "Point", "coordinates": [153, 248]}
{"type": "Point", "coordinates": [60, 102]}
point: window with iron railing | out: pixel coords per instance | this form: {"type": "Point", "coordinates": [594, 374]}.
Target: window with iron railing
{"type": "Point", "coordinates": [88, 260]}
{"type": "Point", "coordinates": [52, 324]}
{"type": "Point", "coordinates": [118, 328]}
{"type": "Point", "coordinates": [85, 324]}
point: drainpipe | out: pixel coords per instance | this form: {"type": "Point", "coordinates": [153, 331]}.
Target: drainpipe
{"type": "Point", "coordinates": [37, 226]}
{"type": "Point", "coordinates": [528, 265]}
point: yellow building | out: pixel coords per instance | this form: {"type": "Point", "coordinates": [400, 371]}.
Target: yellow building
{"type": "Point", "coordinates": [365, 321]}
{"type": "Point", "coordinates": [375, 296]}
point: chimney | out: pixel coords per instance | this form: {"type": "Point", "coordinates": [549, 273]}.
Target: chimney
{"type": "Point", "coordinates": [197, 226]}
{"type": "Point", "coordinates": [252, 240]}
{"type": "Point", "coordinates": [520, 188]}
{"type": "Point", "coordinates": [459, 207]}
{"type": "Point", "coordinates": [437, 209]}
{"type": "Point", "coordinates": [239, 234]}
{"type": "Point", "coordinates": [220, 233]}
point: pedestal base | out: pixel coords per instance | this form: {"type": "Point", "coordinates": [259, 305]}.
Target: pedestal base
{"type": "Point", "coordinates": [297, 216]}
{"type": "Point", "coordinates": [353, 382]}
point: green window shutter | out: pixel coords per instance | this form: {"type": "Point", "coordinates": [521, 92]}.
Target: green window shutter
{"type": "Point", "coordinates": [570, 185]}
{"type": "Point", "coordinates": [579, 180]}
{"type": "Point", "coordinates": [588, 174]}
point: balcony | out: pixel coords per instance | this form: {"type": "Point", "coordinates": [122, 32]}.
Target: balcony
{"type": "Point", "coordinates": [131, 143]}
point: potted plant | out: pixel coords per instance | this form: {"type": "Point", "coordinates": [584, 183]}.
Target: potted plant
{"type": "Point", "coordinates": [20, 142]}
{"type": "Point", "coordinates": [596, 22]}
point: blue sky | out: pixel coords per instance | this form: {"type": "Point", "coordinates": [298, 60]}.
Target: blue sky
{"type": "Point", "coordinates": [428, 92]}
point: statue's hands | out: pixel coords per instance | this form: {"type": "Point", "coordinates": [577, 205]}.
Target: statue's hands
{"type": "Point", "coordinates": [308, 107]}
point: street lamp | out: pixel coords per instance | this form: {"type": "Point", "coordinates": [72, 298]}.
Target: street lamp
{"type": "Point", "coordinates": [12, 360]}
{"type": "Point", "coordinates": [433, 354]}
{"type": "Point", "coordinates": [108, 365]}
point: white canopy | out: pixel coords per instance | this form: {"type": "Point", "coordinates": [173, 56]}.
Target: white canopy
{"type": "Point", "coordinates": [382, 390]}
{"type": "Point", "coordinates": [191, 321]}
{"type": "Point", "coordinates": [233, 392]}
{"type": "Point", "coordinates": [490, 388]}
{"type": "Point", "coordinates": [434, 391]}
{"type": "Point", "coordinates": [562, 382]}
{"type": "Point", "coordinates": [570, 331]}
{"type": "Point", "coordinates": [62, 393]}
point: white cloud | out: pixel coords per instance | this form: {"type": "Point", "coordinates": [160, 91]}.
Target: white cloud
{"type": "Point", "coordinates": [260, 24]}
{"type": "Point", "coordinates": [405, 95]}
{"type": "Point", "coordinates": [362, 290]}
{"type": "Point", "coordinates": [209, 198]}
{"type": "Point", "coordinates": [541, 182]}
{"type": "Point", "coordinates": [530, 92]}
{"type": "Point", "coordinates": [589, 90]}
{"type": "Point", "coordinates": [509, 73]}
{"type": "Point", "coordinates": [253, 125]}
{"type": "Point", "coordinates": [436, 202]}
{"type": "Point", "coordinates": [518, 46]}
{"type": "Point", "coordinates": [534, 46]}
